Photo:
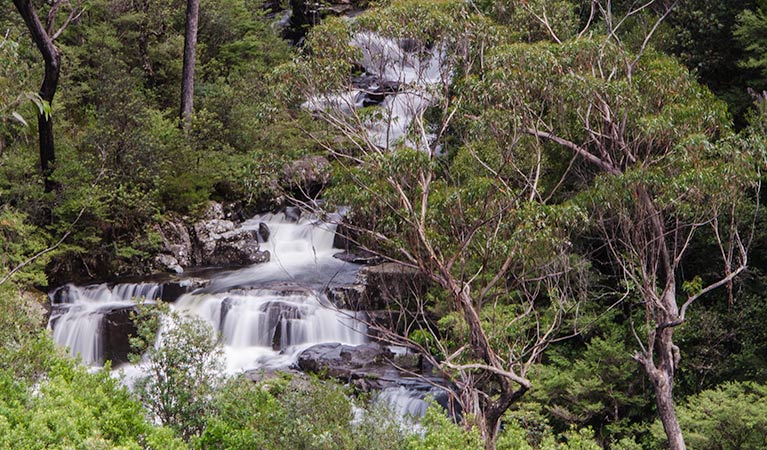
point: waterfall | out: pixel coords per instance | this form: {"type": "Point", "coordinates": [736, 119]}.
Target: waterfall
{"type": "Point", "coordinates": [79, 313]}
{"type": "Point", "coordinates": [265, 314]}
{"type": "Point", "coordinates": [402, 78]}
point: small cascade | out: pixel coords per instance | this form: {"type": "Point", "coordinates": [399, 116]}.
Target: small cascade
{"type": "Point", "coordinates": [261, 325]}
{"type": "Point", "coordinates": [301, 252]}
{"type": "Point", "coordinates": [401, 78]}
{"type": "Point", "coordinates": [268, 328]}
{"type": "Point", "coordinates": [79, 315]}
{"type": "Point", "coordinates": [404, 402]}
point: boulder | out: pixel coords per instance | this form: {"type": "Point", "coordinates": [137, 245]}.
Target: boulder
{"type": "Point", "coordinates": [176, 243]}
{"type": "Point", "coordinates": [306, 177]}
{"type": "Point", "coordinates": [235, 248]}
{"type": "Point", "coordinates": [206, 235]}
{"type": "Point", "coordinates": [263, 232]}
{"type": "Point", "coordinates": [346, 362]}
{"type": "Point", "coordinates": [172, 290]}
{"type": "Point", "coordinates": [117, 330]}
{"type": "Point", "coordinates": [167, 263]}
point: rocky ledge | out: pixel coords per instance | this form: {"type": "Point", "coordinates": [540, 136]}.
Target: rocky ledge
{"type": "Point", "coordinates": [214, 240]}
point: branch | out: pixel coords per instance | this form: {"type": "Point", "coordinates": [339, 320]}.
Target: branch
{"type": "Point", "coordinates": [510, 375]}
{"type": "Point", "coordinates": [604, 165]}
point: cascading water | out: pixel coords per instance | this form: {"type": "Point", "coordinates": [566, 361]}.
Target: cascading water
{"type": "Point", "coordinates": [79, 313]}
{"type": "Point", "coordinates": [265, 314]}
{"type": "Point", "coordinates": [402, 79]}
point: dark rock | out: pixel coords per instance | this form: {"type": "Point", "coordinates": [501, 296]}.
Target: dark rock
{"type": "Point", "coordinates": [263, 232]}
{"type": "Point", "coordinates": [62, 295]}
{"type": "Point", "coordinates": [345, 362]}
{"type": "Point", "coordinates": [344, 238]}
{"type": "Point", "coordinates": [117, 330]}
{"type": "Point", "coordinates": [377, 93]}
{"type": "Point", "coordinates": [359, 257]}
{"type": "Point", "coordinates": [172, 290]}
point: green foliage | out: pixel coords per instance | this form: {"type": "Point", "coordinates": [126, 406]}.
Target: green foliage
{"type": "Point", "coordinates": [47, 400]}
{"type": "Point", "coordinates": [731, 416]}
{"type": "Point", "coordinates": [183, 372]}
{"type": "Point", "coordinates": [441, 433]}
{"type": "Point", "coordinates": [297, 413]}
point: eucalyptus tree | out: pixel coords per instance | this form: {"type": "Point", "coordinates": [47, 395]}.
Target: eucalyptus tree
{"type": "Point", "coordinates": [427, 193]}
{"type": "Point", "coordinates": [190, 46]}
{"type": "Point", "coordinates": [44, 37]}
{"type": "Point", "coordinates": [653, 161]}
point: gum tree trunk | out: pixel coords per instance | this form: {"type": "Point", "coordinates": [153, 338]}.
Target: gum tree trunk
{"type": "Point", "coordinates": [52, 59]}
{"type": "Point", "coordinates": [187, 77]}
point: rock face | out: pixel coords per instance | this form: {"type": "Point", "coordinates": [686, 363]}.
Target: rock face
{"type": "Point", "coordinates": [214, 240]}
{"type": "Point", "coordinates": [117, 329]}
{"type": "Point", "coordinates": [380, 287]}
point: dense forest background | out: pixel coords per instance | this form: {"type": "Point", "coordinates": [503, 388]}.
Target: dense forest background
{"type": "Point", "coordinates": [683, 126]}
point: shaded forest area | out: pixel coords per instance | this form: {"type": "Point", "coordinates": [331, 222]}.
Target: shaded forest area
{"type": "Point", "coordinates": [582, 193]}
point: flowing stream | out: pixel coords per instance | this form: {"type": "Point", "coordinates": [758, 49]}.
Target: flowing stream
{"type": "Point", "coordinates": [265, 314]}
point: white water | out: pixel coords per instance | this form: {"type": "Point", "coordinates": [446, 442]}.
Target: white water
{"type": "Point", "coordinates": [265, 314]}
{"type": "Point", "coordinates": [78, 320]}
{"type": "Point", "coordinates": [404, 402]}
{"type": "Point", "coordinates": [419, 75]}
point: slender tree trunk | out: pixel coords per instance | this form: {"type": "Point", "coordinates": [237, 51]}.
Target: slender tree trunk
{"type": "Point", "coordinates": [187, 78]}
{"type": "Point", "coordinates": [665, 401]}
{"type": "Point", "coordinates": [52, 59]}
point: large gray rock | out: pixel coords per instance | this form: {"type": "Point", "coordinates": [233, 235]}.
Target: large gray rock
{"type": "Point", "coordinates": [206, 235]}
{"type": "Point", "coordinates": [176, 243]}
{"type": "Point", "coordinates": [218, 242]}
{"type": "Point", "coordinates": [236, 248]}
{"type": "Point", "coordinates": [345, 362]}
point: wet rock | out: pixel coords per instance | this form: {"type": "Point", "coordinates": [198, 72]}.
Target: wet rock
{"type": "Point", "coordinates": [117, 330]}
{"type": "Point", "coordinates": [172, 290]}
{"type": "Point", "coordinates": [236, 248]}
{"type": "Point", "coordinates": [345, 362]}
{"type": "Point", "coordinates": [62, 295]}
{"type": "Point", "coordinates": [263, 232]}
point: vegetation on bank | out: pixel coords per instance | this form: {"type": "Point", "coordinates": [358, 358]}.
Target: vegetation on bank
{"type": "Point", "coordinates": [598, 171]}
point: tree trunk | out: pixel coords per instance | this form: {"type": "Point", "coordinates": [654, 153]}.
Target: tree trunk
{"type": "Point", "coordinates": [187, 77]}
{"type": "Point", "coordinates": [665, 400]}
{"type": "Point", "coordinates": [52, 59]}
